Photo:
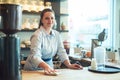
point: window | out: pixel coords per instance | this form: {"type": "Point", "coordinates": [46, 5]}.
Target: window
{"type": "Point", "coordinates": [87, 18]}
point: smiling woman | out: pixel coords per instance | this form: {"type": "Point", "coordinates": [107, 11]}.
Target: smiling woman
{"type": "Point", "coordinates": [89, 20]}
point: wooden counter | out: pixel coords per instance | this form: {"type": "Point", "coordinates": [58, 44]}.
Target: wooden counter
{"type": "Point", "coordinates": [69, 74]}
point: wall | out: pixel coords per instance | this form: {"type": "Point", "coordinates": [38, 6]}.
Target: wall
{"type": "Point", "coordinates": [117, 24]}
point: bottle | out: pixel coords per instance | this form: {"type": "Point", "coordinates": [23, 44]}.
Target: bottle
{"type": "Point", "coordinates": [116, 55]}
{"type": "Point", "coordinates": [99, 54]}
{"type": "Point", "coordinates": [63, 27]}
{"type": "Point", "coordinates": [48, 5]}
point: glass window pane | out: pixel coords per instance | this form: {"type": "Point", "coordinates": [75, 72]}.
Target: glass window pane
{"type": "Point", "coordinates": [87, 19]}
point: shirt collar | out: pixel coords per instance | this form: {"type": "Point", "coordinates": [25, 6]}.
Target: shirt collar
{"type": "Point", "coordinates": [52, 33]}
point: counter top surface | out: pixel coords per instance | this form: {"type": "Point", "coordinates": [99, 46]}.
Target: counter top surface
{"type": "Point", "coordinates": [69, 74]}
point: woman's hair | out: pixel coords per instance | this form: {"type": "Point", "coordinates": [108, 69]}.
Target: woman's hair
{"type": "Point", "coordinates": [42, 14]}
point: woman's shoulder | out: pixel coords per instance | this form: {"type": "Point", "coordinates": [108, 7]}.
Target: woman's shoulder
{"type": "Point", "coordinates": [37, 33]}
{"type": "Point", "coordinates": [55, 31]}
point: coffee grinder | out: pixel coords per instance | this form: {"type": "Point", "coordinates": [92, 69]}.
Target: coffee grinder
{"type": "Point", "coordinates": [10, 24]}
{"type": "Point", "coordinates": [102, 36]}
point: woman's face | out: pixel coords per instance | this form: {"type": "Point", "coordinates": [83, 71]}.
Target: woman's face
{"type": "Point", "coordinates": [48, 20]}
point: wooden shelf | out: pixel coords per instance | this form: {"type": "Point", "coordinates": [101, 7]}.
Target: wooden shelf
{"type": "Point", "coordinates": [64, 14]}
{"type": "Point", "coordinates": [64, 31]}
{"type": "Point", "coordinates": [28, 30]}
{"type": "Point", "coordinates": [55, 0]}
{"type": "Point", "coordinates": [61, 14]}
{"type": "Point", "coordinates": [37, 13]}
{"type": "Point", "coordinates": [25, 48]}
{"type": "Point", "coordinates": [31, 12]}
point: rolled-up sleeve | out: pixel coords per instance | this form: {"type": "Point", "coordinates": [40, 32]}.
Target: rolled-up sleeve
{"type": "Point", "coordinates": [36, 60]}
{"type": "Point", "coordinates": [36, 50]}
{"type": "Point", "coordinates": [61, 51]}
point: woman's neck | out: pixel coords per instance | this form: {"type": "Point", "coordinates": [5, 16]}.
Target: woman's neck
{"type": "Point", "coordinates": [48, 30]}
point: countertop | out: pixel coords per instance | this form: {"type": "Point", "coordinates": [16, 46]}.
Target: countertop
{"type": "Point", "coordinates": [70, 74]}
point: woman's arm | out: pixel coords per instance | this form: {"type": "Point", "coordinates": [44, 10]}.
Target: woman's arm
{"type": "Point", "coordinates": [64, 57]}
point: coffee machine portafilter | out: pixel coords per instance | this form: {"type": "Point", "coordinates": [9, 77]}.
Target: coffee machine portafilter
{"type": "Point", "coordinates": [10, 24]}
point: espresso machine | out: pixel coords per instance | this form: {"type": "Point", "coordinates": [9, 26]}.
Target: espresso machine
{"type": "Point", "coordinates": [10, 24]}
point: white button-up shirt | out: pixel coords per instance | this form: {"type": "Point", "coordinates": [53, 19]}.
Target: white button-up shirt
{"type": "Point", "coordinates": [43, 47]}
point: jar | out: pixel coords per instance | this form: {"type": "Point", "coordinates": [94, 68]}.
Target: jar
{"type": "Point", "coordinates": [48, 5]}
{"type": "Point", "coordinates": [66, 44]}
{"type": "Point", "coordinates": [63, 27]}
{"type": "Point", "coordinates": [40, 6]}
{"type": "Point", "coordinates": [26, 24]}
{"type": "Point", "coordinates": [25, 6]}
{"type": "Point", "coordinates": [33, 6]}
{"type": "Point", "coordinates": [34, 24]}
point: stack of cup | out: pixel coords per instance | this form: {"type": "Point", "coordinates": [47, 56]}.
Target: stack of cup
{"type": "Point", "coordinates": [94, 64]}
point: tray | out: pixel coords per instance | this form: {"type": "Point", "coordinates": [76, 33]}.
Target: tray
{"type": "Point", "coordinates": [105, 69]}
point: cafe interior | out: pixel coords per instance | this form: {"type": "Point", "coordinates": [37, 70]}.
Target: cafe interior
{"type": "Point", "coordinates": [89, 29]}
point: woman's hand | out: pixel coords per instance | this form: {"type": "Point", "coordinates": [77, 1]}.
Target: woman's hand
{"type": "Point", "coordinates": [47, 69]}
{"type": "Point", "coordinates": [72, 66]}
{"type": "Point", "coordinates": [75, 66]}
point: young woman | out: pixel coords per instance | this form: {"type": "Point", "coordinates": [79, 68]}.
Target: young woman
{"type": "Point", "coordinates": [45, 43]}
